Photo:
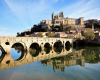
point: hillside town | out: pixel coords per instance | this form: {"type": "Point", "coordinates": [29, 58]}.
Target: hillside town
{"type": "Point", "coordinates": [64, 27]}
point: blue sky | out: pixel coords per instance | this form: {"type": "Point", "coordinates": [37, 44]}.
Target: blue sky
{"type": "Point", "coordinates": [20, 15]}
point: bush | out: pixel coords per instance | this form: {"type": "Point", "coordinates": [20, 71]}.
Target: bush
{"type": "Point", "coordinates": [40, 34]}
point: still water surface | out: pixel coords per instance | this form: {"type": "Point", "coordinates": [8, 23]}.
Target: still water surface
{"type": "Point", "coordinates": [77, 64]}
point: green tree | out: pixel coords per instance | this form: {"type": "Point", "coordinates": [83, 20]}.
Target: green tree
{"type": "Point", "coordinates": [40, 34]}
{"type": "Point", "coordinates": [18, 34]}
{"type": "Point", "coordinates": [48, 34]}
{"type": "Point", "coordinates": [89, 35]}
{"type": "Point", "coordinates": [44, 29]}
{"type": "Point", "coordinates": [89, 54]}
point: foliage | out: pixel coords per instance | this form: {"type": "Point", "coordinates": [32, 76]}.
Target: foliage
{"type": "Point", "coordinates": [48, 34]}
{"type": "Point", "coordinates": [44, 29]}
{"type": "Point", "coordinates": [89, 54]}
{"type": "Point", "coordinates": [40, 34]}
{"type": "Point", "coordinates": [89, 35]}
{"type": "Point", "coordinates": [18, 34]}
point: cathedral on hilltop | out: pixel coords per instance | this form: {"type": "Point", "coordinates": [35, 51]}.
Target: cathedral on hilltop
{"type": "Point", "coordinates": [59, 19]}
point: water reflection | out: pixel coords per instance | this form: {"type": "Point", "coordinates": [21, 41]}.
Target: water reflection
{"type": "Point", "coordinates": [60, 63]}
{"type": "Point", "coordinates": [77, 57]}
{"type": "Point", "coordinates": [47, 50]}
{"type": "Point", "coordinates": [17, 52]}
{"type": "Point", "coordinates": [34, 52]}
{"type": "Point", "coordinates": [58, 57]}
{"type": "Point", "coordinates": [58, 49]}
{"type": "Point", "coordinates": [2, 55]}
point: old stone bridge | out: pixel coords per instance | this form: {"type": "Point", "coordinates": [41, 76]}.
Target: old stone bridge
{"type": "Point", "coordinates": [7, 42]}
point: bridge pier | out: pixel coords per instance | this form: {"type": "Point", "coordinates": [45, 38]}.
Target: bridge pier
{"type": "Point", "coordinates": [42, 46]}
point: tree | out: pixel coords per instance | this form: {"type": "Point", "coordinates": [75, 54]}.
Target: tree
{"type": "Point", "coordinates": [44, 29]}
{"type": "Point", "coordinates": [89, 35]}
{"type": "Point", "coordinates": [40, 34]}
{"type": "Point", "coordinates": [18, 34]}
{"type": "Point", "coordinates": [48, 34]}
{"type": "Point", "coordinates": [89, 54]}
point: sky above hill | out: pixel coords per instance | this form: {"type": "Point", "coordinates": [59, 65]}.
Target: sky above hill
{"type": "Point", "coordinates": [20, 15]}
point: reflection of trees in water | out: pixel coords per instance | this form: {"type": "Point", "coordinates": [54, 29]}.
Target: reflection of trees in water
{"type": "Point", "coordinates": [79, 47]}
{"type": "Point", "coordinates": [35, 52]}
{"type": "Point", "coordinates": [22, 55]}
{"type": "Point", "coordinates": [47, 50]}
{"type": "Point", "coordinates": [90, 54]}
{"type": "Point", "coordinates": [2, 55]}
{"type": "Point", "coordinates": [68, 48]}
{"type": "Point", "coordinates": [20, 49]}
{"type": "Point", "coordinates": [58, 49]}
{"type": "Point", "coordinates": [63, 58]}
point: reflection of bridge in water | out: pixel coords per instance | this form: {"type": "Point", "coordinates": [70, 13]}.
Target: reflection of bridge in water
{"type": "Point", "coordinates": [6, 61]}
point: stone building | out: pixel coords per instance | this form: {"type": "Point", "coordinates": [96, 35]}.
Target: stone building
{"type": "Point", "coordinates": [59, 19]}
{"type": "Point", "coordinates": [46, 23]}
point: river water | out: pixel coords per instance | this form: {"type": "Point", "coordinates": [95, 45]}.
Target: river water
{"type": "Point", "coordinates": [77, 63]}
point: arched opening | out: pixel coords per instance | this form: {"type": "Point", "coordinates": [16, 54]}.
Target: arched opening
{"type": "Point", "coordinates": [2, 54]}
{"type": "Point", "coordinates": [35, 46]}
{"type": "Point", "coordinates": [34, 53]}
{"type": "Point", "coordinates": [68, 48]}
{"type": "Point", "coordinates": [7, 43]}
{"type": "Point", "coordinates": [17, 51]}
{"type": "Point", "coordinates": [47, 45]}
{"type": "Point", "coordinates": [47, 48]}
{"type": "Point", "coordinates": [35, 49]}
{"type": "Point", "coordinates": [58, 50]}
{"type": "Point", "coordinates": [74, 43]}
{"type": "Point", "coordinates": [58, 44]}
{"type": "Point", "coordinates": [67, 43]}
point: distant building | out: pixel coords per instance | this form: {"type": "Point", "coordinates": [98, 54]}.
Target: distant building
{"type": "Point", "coordinates": [81, 30]}
{"type": "Point", "coordinates": [59, 19]}
{"type": "Point", "coordinates": [61, 35]}
{"type": "Point", "coordinates": [96, 39]}
{"type": "Point", "coordinates": [36, 34]}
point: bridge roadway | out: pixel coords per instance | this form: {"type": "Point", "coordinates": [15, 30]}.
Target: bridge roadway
{"type": "Point", "coordinates": [7, 42]}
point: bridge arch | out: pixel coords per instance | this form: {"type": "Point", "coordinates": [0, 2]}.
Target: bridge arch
{"type": "Point", "coordinates": [47, 45]}
{"type": "Point", "coordinates": [20, 51]}
{"type": "Point", "coordinates": [34, 46]}
{"type": "Point", "coordinates": [21, 44]}
{"type": "Point", "coordinates": [67, 43]}
{"type": "Point", "coordinates": [58, 44]}
{"type": "Point", "coordinates": [35, 49]}
{"type": "Point", "coordinates": [2, 53]}
{"type": "Point", "coordinates": [2, 49]}
{"type": "Point", "coordinates": [58, 50]}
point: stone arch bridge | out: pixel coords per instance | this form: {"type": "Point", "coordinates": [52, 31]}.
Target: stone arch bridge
{"type": "Point", "coordinates": [7, 42]}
